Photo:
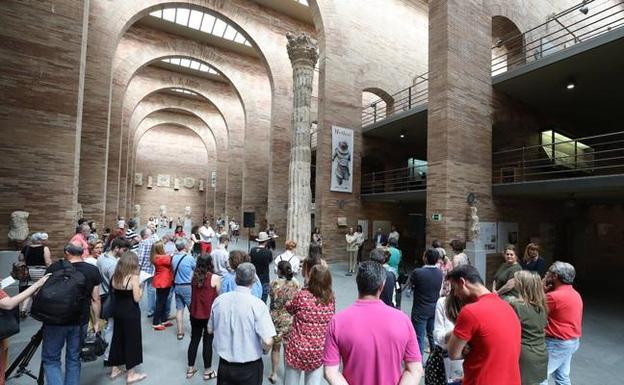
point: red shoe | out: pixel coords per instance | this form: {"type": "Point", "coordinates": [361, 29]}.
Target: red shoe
{"type": "Point", "coordinates": [168, 324]}
{"type": "Point", "coordinates": [159, 327]}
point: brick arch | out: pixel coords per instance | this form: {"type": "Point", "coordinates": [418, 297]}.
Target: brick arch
{"type": "Point", "coordinates": [209, 198]}
{"type": "Point", "coordinates": [245, 76]}
{"type": "Point", "coordinates": [507, 44]}
{"type": "Point", "coordinates": [149, 81]}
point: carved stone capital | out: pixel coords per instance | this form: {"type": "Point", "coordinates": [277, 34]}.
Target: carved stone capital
{"type": "Point", "coordinates": [302, 48]}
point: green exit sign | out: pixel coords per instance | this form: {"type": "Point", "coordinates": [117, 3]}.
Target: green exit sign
{"type": "Point", "coordinates": [436, 217]}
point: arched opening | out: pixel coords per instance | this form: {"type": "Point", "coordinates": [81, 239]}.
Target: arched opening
{"type": "Point", "coordinates": [376, 105]}
{"type": "Point", "coordinates": [171, 160]}
{"type": "Point", "coordinates": [507, 45]}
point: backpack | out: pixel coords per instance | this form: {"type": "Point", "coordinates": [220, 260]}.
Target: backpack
{"type": "Point", "coordinates": [60, 300]}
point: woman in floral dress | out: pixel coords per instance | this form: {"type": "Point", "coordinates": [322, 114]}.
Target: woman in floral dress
{"type": "Point", "coordinates": [282, 290]}
{"type": "Point", "coordinates": [312, 309]}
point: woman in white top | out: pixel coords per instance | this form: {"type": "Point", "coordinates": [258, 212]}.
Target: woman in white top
{"type": "Point", "coordinates": [289, 256]}
{"type": "Point", "coordinates": [447, 309]}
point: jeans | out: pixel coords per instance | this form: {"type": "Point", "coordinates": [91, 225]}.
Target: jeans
{"type": "Point", "coordinates": [559, 356]}
{"type": "Point", "coordinates": [265, 291]}
{"type": "Point", "coordinates": [423, 326]}
{"type": "Point", "coordinates": [151, 296]}
{"type": "Point", "coordinates": [292, 376]}
{"type": "Point", "coordinates": [54, 338]}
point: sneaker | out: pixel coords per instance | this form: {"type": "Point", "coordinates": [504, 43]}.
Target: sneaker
{"type": "Point", "coordinates": [168, 324]}
{"type": "Point", "coordinates": [159, 327]}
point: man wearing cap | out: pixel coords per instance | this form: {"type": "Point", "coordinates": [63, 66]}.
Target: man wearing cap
{"type": "Point", "coordinates": [243, 331]}
{"type": "Point", "coordinates": [261, 258]}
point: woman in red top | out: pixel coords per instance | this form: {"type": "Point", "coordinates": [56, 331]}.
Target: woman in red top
{"type": "Point", "coordinates": [162, 281]}
{"type": "Point", "coordinates": [312, 309]}
{"type": "Point", "coordinates": [204, 289]}
{"type": "Point", "coordinates": [179, 232]}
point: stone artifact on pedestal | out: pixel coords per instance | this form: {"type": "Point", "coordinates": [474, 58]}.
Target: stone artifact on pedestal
{"type": "Point", "coordinates": [18, 227]}
{"type": "Point", "coordinates": [79, 212]}
{"type": "Point", "coordinates": [163, 210]}
{"type": "Point", "coordinates": [137, 214]}
{"type": "Point", "coordinates": [474, 228]}
{"type": "Point", "coordinates": [188, 223]}
{"type": "Point", "coordinates": [150, 182]}
{"type": "Point", "coordinates": [303, 54]}
{"type": "Point", "coordinates": [138, 179]}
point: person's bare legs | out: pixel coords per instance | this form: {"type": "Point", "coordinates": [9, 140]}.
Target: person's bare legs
{"type": "Point", "coordinates": [275, 356]}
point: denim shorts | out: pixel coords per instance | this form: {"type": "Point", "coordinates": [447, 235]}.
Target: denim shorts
{"type": "Point", "coordinates": [182, 296]}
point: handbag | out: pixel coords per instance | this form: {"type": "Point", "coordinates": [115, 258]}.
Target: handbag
{"type": "Point", "coordinates": [108, 304]}
{"type": "Point", "coordinates": [9, 323]}
{"type": "Point", "coordinates": [435, 373]}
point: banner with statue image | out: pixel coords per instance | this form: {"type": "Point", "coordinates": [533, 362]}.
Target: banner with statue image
{"type": "Point", "coordinates": [342, 160]}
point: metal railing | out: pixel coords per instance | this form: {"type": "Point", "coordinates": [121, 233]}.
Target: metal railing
{"type": "Point", "coordinates": [405, 99]}
{"type": "Point", "coordinates": [587, 156]}
{"type": "Point", "coordinates": [397, 180]}
{"type": "Point", "coordinates": [584, 21]}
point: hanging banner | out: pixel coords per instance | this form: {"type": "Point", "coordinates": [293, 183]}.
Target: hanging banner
{"type": "Point", "coordinates": [342, 160]}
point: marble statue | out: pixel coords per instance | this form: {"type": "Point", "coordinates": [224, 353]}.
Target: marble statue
{"type": "Point", "coordinates": [18, 226]}
{"type": "Point", "coordinates": [474, 227]}
{"type": "Point", "coordinates": [187, 212]}
{"type": "Point", "coordinates": [163, 210]}
{"type": "Point", "coordinates": [150, 182]}
{"type": "Point", "coordinates": [137, 211]}
{"type": "Point", "coordinates": [201, 185]}
{"type": "Point", "coordinates": [187, 225]}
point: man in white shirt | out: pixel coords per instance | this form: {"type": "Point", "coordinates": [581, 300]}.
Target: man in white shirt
{"type": "Point", "coordinates": [220, 256]}
{"type": "Point", "coordinates": [206, 233]}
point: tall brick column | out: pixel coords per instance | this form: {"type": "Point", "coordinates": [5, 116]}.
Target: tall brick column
{"type": "Point", "coordinates": [459, 132]}
{"type": "Point", "coordinates": [303, 54]}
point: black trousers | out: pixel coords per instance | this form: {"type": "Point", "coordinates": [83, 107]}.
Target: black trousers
{"type": "Point", "coordinates": [160, 315]}
{"type": "Point", "coordinates": [199, 330]}
{"type": "Point", "coordinates": [233, 373]}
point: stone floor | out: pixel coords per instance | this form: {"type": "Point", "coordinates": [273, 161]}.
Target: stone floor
{"type": "Point", "coordinates": [600, 360]}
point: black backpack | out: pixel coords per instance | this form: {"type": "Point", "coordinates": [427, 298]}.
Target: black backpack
{"type": "Point", "coordinates": [60, 300]}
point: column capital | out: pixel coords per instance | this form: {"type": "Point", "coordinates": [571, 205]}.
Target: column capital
{"type": "Point", "coordinates": [302, 47]}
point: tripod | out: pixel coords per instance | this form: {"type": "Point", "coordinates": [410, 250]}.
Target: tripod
{"type": "Point", "coordinates": [22, 361]}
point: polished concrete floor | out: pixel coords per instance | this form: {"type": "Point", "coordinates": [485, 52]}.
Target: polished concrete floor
{"type": "Point", "coordinates": [600, 359]}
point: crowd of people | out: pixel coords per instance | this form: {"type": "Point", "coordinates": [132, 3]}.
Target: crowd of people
{"type": "Point", "coordinates": [522, 331]}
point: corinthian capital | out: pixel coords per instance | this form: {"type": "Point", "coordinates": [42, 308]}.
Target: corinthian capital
{"type": "Point", "coordinates": [302, 48]}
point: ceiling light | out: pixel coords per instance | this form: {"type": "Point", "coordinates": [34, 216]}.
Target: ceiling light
{"type": "Point", "coordinates": [570, 85]}
{"type": "Point", "coordinates": [402, 136]}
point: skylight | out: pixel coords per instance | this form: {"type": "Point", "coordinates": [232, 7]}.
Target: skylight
{"type": "Point", "coordinates": [204, 22]}
{"type": "Point", "coordinates": [304, 2]}
{"type": "Point", "coordinates": [190, 63]}
{"type": "Point", "coordinates": [184, 91]}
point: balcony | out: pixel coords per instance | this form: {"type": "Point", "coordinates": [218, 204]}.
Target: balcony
{"type": "Point", "coordinates": [404, 184]}
{"type": "Point", "coordinates": [584, 26]}
{"type": "Point", "coordinates": [592, 164]}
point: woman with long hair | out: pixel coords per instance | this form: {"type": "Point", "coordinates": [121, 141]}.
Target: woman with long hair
{"type": "Point", "coordinates": [205, 287]}
{"type": "Point", "coordinates": [445, 264]}
{"type": "Point", "coordinates": [162, 281]}
{"type": "Point", "coordinates": [179, 232]}
{"type": "Point", "coordinates": [447, 310]}
{"type": "Point", "coordinates": [312, 308]}
{"type": "Point", "coordinates": [127, 344]}
{"type": "Point", "coordinates": [532, 310]}
{"type": "Point", "coordinates": [503, 279]}
{"type": "Point", "coordinates": [282, 291]}
{"type": "Point", "coordinates": [532, 260]}
{"type": "Point", "coordinates": [314, 258]}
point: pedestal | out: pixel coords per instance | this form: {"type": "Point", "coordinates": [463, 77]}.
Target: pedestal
{"type": "Point", "coordinates": [477, 255]}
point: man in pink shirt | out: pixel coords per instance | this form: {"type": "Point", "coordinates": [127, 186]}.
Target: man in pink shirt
{"type": "Point", "coordinates": [371, 339]}
{"type": "Point", "coordinates": [80, 239]}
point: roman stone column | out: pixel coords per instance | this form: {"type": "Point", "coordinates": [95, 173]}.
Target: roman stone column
{"type": "Point", "coordinates": [303, 54]}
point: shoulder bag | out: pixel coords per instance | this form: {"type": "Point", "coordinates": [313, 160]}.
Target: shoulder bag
{"type": "Point", "coordinates": [9, 323]}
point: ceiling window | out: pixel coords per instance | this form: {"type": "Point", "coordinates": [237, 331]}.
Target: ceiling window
{"type": "Point", "coordinates": [184, 91]}
{"type": "Point", "coordinates": [204, 22]}
{"type": "Point", "coordinates": [304, 2]}
{"type": "Point", "coordinates": [190, 63]}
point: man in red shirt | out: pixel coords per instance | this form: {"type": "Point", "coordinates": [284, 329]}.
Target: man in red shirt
{"type": "Point", "coordinates": [486, 334]}
{"type": "Point", "coordinates": [80, 239]}
{"type": "Point", "coordinates": [565, 314]}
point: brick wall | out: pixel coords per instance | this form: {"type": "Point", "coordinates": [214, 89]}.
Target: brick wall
{"type": "Point", "coordinates": [178, 152]}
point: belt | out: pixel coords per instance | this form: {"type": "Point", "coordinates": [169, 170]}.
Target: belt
{"type": "Point", "coordinates": [182, 284]}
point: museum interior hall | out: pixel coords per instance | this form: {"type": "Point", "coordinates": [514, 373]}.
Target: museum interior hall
{"type": "Point", "coordinates": [488, 122]}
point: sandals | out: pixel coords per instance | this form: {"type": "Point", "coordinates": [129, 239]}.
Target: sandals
{"type": "Point", "coordinates": [119, 373]}
{"type": "Point", "coordinates": [140, 377]}
{"type": "Point", "coordinates": [190, 373]}
{"type": "Point", "coordinates": [180, 336]}
{"type": "Point", "coordinates": [211, 375]}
